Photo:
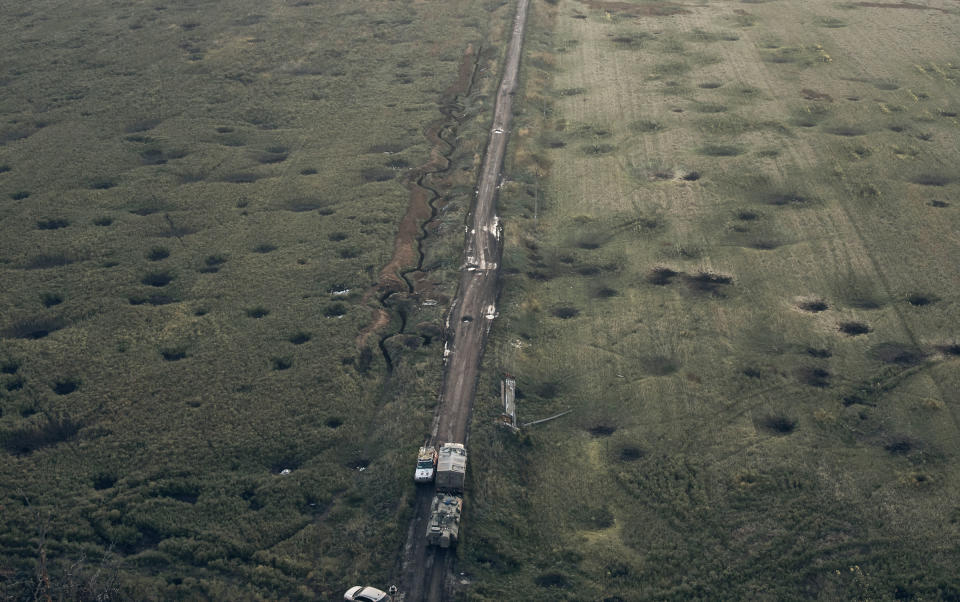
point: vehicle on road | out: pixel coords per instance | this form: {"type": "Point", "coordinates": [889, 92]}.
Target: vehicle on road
{"type": "Point", "coordinates": [451, 468]}
{"type": "Point", "coordinates": [444, 527]}
{"type": "Point", "coordinates": [367, 594]}
{"type": "Point", "coordinates": [426, 465]}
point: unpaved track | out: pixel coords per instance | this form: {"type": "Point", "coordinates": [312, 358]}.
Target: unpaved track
{"type": "Point", "coordinates": [425, 570]}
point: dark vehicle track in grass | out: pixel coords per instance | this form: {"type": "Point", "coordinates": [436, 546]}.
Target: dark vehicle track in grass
{"type": "Point", "coordinates": [425, 570]}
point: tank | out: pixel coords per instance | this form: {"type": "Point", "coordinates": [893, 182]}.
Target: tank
{"type": "Point", "coordinates": [444, 527]}
{"type": "Point", "coordinates": [451, 467]}
{"type": "Point", "coordinates": [426, 465]}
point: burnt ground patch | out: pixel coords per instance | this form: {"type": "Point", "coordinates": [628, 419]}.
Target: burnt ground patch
{"type": "Point", "coordinates": [777, 424]}
{"type": "Point", "coordinates": [334, 422]}
{"type": "Point", "coordinates": [901, 354]}
{"type": "Point", "coordinates": [853, 328]}
{"type": "Point", "coordinates": [173, 354]}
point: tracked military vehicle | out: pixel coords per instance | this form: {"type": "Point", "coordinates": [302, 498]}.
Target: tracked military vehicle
{"type": "Point", "coordinates": [444, 527]}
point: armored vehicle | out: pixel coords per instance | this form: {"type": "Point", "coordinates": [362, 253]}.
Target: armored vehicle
{"type": "Point", "coordinates": [444, 527]}
{"type": "Point", "coordinates": [451, 468]}
{"type": "Point", "coordinates": [426, 465]}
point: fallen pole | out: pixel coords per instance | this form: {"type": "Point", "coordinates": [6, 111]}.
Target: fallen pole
{"type": "Point", "coordinates": [525, 425]}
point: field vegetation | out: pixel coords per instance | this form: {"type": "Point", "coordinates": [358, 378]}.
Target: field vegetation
{"type": "Point", "coordinates": [731, 252]}
{"type": "Point", "coordinates": [196, 203]}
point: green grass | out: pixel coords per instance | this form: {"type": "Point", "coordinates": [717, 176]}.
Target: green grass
{"type": "Point", "coordinates": [194, 203]}
{"type": "Point", "coordinates": [757, 359]}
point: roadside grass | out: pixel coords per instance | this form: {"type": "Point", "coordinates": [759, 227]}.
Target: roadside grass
{"type": "Point", "coordinates": [757, 358]}
{"type": "Point", "coordinates": [192, 212]}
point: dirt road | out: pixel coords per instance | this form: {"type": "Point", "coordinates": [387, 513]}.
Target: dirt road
{"type": "Point", "coordinates": [471, 315]}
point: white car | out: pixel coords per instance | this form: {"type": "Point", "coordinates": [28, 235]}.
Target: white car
{"type": "Point", "coordinates": [366, 594]}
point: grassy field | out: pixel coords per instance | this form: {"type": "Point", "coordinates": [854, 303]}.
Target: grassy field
{"type": "Point", "coordinates": [195, 203]}
{"type": "Point", "coordinates": [731, 251]}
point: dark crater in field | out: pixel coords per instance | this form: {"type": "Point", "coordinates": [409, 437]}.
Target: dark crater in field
{"type": "Point", "coordinates": [33, 328]}
{"type": "Point", "coordinates": [819, 353]}
{"type": "Point", "coordinates": [602, 430]}
{"type": "Point", "coordinates": [813, 305]}
{"type": "Point", "coordinates": [553, 580]}
{"type": "Point", "coordinates": [901, 445]}
{"type": "Point", "coordinates": [281, 363]}
{"type": "Point", "coordinates": [661, 276]}
{"type": "Point", "coordinates": [814, 377]}
{"type": "Point", "coordinates": [155, 299]}
{"type": "Point", "coordinates": [305, 205]}
{"type": "Point", "coordinates": [104, 480]}
{"type": "Point", "coordinates": [257, 312]}
{"type": "Point", "coordinates": [241, 178]}
{"type": "Point", "coordinates": [334, 422]}
{"type": "Point", "coordinates": [631, 454]}
{"type": "Point", "coordinates": [659, 365]}
{"type": "Point", "coordinates": [66, 386]}
{"type": "Point", "coordinates": [23, 441]}
{"type": "Point", "coordinates": [920, 300]}
{"type": "Point", "coordinates": [157, 279]}
{"type": "Point", "coordinates": [51, 299]}
{"type": "Point", "coordinates": [708, 283]}
{"type": "Point", "coordinates": [931, 179]}
{"type": "Point", "coordinates": [565, 312]}
{"type": "Point", "coordinates": [173, 354]}
{"type": "Point", "coordinates": [897, 353]}
{"type": "Point", "coordinates": [264, 248]}
{"type": "Point", "coordinates": [48, 261]}
{"type": "Point", "coordinates": [158, 253]}
{"type": "Point", "coordinates": [777, 424]}
{"type": "Point", "coordinates": [335, 310]}
{"type": "Point", "coordinates": [52, 224]}
{"type": "Point", "coordinates": [853, 328]}
{"type": "Point", "coordinates": [300, 338]}
{"type": "Point", "coordinates": [950, 349]}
